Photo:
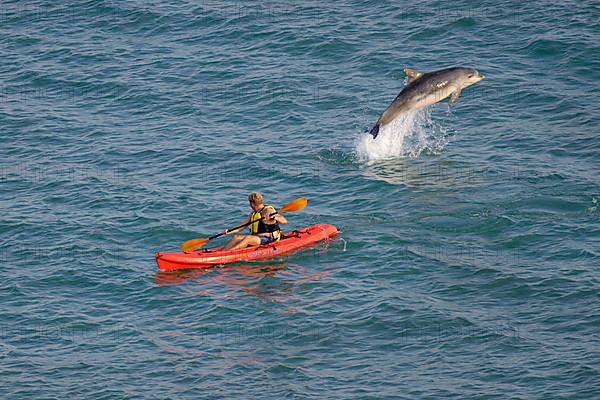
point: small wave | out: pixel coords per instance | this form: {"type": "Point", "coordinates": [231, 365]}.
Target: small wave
{"type": "Point", "coordinates": [407, 136]}
{"type": "Point", "coordinates": [465, 22]}
{"type": "Point", "coordinates": [595, 205]}
{"type": "Point", "coordinates": [335, 156]}
{"type": "Point", "coordinates": [546, 48]}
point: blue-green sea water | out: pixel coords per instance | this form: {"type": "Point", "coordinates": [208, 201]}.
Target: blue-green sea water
{"type": "Point", "coordinates": [468, 260]}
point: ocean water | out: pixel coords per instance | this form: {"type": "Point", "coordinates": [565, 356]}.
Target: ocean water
{"type": "Point", "coordinates": [468, 260]}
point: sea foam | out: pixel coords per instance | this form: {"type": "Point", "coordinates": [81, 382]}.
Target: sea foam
{"type": "Point", "coordinates": [406, 136]}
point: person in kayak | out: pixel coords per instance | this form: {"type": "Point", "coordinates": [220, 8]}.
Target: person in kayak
{"type": "Point", "coordinates": [265, 230]}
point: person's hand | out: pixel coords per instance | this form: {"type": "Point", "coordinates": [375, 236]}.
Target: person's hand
{"type": "Point", "coordinates": [226, 232]}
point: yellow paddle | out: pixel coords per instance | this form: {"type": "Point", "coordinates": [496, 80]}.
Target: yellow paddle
{"type": "Point", "coordinates": [195, 244]}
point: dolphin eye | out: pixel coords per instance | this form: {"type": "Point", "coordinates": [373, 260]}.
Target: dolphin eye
{"type": "Point", "coordinates": [470, 76]}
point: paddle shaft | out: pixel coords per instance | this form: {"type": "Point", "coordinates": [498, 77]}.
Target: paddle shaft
{"type": "Point", "coordinates": [238, 227]}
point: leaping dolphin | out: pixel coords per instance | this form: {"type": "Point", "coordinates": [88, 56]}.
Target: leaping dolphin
{"type": "Point", "coordinates": [425, 89]}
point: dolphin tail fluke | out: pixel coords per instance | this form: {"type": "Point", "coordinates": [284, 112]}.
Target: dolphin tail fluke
{"type": "Point", "coordinates": [375, 131]}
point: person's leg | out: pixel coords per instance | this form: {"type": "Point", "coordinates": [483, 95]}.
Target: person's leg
{"type": "Point", "coordinates": [247, 240]}
{"type": "Point", "coordinates": [234, 241]}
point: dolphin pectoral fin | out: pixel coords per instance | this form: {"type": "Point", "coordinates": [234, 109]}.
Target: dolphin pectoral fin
{"type": "Point", "coordinates": [412, 74]}
{"type": "Point", "coordinates": [454, 97]}
{"type": "Point", "coordinates": [375, 131]}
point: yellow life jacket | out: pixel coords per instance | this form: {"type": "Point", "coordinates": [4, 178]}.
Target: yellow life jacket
{"type": "Point", "coordinates": [261, 227]}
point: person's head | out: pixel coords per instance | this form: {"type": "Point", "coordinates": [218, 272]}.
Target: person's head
{"type": "Point", "coordinates": [256, 201]}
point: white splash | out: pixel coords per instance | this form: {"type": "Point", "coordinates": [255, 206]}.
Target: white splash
{"type": "Point", "coordinates": [406, 136]}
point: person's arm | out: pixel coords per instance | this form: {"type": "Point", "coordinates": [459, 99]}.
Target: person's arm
{"type": "Point", "coordinates": [280, 219]}
{"type": "Point", "coordinates": [271, 217]}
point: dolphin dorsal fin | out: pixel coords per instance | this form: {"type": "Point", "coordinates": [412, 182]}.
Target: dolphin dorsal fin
{"type": "Point", "coordinates": [412, 74]}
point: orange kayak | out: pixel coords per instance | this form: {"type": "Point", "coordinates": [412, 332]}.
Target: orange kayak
{"type": "Point", "coordinates": [217, 256]}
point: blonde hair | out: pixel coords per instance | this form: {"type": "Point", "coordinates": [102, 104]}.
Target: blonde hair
{"type": "Point", "coordinates": [255, 198]}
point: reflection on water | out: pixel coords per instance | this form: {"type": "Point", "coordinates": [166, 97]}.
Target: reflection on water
{"type": "Point", "coordinates": [424, 172]}
{"type": "Point", "coordinates": [259, 279]}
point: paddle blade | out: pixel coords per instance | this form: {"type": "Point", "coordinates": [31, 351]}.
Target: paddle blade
{"type": "Point", "coordinates": [193, 244]}
{"type": "Point", "coordinates": [295, 205]}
